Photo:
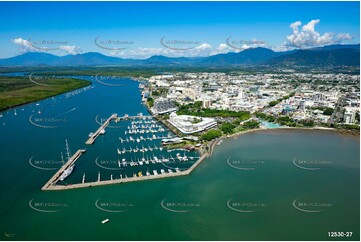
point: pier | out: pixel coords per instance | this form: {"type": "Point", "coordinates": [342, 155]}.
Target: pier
{"type": "Point", "coordinates": [115, 117]}
{"type": "Point", "coordinates": [54, 179]}
{"type": "Point", "coordinates": [93, 137]}
{"type": "Point", "coordinates": [124, 180]}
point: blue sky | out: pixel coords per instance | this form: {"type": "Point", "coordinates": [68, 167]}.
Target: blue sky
{"type": "Point", "coordinates": [134, 29]}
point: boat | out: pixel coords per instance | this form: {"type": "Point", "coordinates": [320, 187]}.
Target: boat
{"type": "Point", "coordinates": [105, 221]}
{"type": "Point", "coordinates": [102, 131]}
{"type": "Point", "coordinates": [162, 171]}
{"type": "Point", "coordinates": [155, 172]}
{"type": "Point", "coordinates": [170, 171]}
{"type": "Point", "coordinates": [90, 134]}
{"type": "Point", "coordinates": [66, 173]}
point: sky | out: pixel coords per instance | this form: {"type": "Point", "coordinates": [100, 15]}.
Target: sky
{"type": "Point", "coordinates": [192, 29]}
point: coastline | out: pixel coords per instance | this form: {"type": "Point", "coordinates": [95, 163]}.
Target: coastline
{"type": "Point", "coordinates": [213, 143]}
{"type": "Point", "coordinates": [46, 97]}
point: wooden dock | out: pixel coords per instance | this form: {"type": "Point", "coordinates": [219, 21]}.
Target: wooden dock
{"type": "Point", "coordinates": [54, 179]}
{"type": "Point", "coordinates": [93, 137]}
{"type": "Point", "coordinates": [115, 117]}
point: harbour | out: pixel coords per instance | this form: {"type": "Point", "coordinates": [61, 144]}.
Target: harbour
{"type": "Point", "coordinates": [271, 183]}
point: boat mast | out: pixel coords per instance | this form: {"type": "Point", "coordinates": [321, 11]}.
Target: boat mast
{"type": "Point", "coordinates": [62, 157]}
{"type": "Point", "coordinates": [67, 149]}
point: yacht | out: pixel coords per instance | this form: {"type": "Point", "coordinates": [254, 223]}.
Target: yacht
{"type": "Point", "coordinates": [66, 173]}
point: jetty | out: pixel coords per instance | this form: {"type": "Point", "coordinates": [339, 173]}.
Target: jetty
{"type": "Point", "coordinates": [54, 179]}
{"type": "Point", "coordinates": [123, 180]}
{"type": "Point", "coordinates": [95, 135]}
{"type": "Point", "coordinates": [116, 118]}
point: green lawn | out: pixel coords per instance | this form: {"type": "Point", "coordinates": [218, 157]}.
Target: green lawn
{"type": "Point", "coordinates": [15, 91]}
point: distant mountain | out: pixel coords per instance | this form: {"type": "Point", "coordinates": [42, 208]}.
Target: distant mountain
{"type": "Point", "coordinates": [348, 55]}
{"type": "Point", "coordinates": [320, 57]}
{"type": "Point", "coordinates": [245, 57]}
{"type": "Point", "coordinates": [89, 59]}
{"type": "Point", "coordinates": [31, 59]}
{"type": "Point", "coordinates": [334, 47]}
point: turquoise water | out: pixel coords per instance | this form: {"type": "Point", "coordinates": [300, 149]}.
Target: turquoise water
{"type": "Point", "coordinates": [270, 125]}
{"type": "Point", "coordinates": [268, 185]}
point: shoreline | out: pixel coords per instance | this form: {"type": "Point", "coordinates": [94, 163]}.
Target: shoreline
{"type": "Point", "coordinates": [213, 143]}
{"type": "Point", "coordinates": [44, 98]}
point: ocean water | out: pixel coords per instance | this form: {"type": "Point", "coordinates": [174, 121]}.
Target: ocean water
{"type": "Point", "coordinates": [267, 185]}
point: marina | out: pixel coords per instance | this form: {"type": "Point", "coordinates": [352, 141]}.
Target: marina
{"type": "Point", "coordinates": [135, 178]}
{"type": "Point", "coordinates": [147, 151]}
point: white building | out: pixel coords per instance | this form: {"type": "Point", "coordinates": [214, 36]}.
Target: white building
{"type": "Point", "coordinates": [191, 124]}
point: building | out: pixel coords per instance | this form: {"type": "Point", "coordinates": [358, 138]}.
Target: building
{"type": "Point", "coordinates": [349, 116]}
{"type": "Point", "coordinates": [163, 105]}
{"type": "Point", "coordinates": [191, 124]}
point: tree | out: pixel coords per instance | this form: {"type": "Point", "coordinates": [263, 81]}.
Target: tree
{"type": "Point", "coordinates": [273, 103]}
{"type": "Point", "coordinates": [251, 124]}
{"type": "Point", "coordinates": [211, 134]}
{"type": "Point", "coordinates": [227, 128]}
{"type": "Point", "coordinates": [328, 111]}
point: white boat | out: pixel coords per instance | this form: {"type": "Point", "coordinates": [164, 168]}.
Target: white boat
{"type": "Point", "coordinates": [162, 171]}
{"type": "Point", "coordinates": [66, 173]}
{"type": "Point", "coordinates": [102, 131]}
{"type": "Point", "coordinates": [170, 171]}
{"type": "Point", "coordinates": [155, 172]}
{"type": "Point", "coordinates": [105, 221]}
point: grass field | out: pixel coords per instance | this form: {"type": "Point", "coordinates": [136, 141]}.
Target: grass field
{"type": "Point", "coordinates": [15, 91]}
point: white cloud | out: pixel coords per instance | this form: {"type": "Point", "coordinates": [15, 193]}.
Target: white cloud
{"type": "Point", "coordinates": [203, 49]}
{"type": "Point", "coordinates": [24, 45]}
{"type": "Point", "coordinates": [71, 49]}
{"type": "Point", "coordinates": [308, 37]}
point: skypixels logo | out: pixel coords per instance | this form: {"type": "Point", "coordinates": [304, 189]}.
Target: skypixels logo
{"type": "Point", "coordinates": [113, 207]}
{"type": "Point", "coordinates": [245, 165]}
{"type": "Point", "coordinates": [311, 165]}
{"type": "Point", "coordinates": [245, 206]}
{"type": "Point", "coordinates": [179, 206]}
{"type": "Point", "coordinates": [311, 207]}
{"type": "Point", "coordinates": [113, 44]}
{"type": "Point", "coordinates": [47, 207]}
{"type": "Point", "coordinates": [178, 44]}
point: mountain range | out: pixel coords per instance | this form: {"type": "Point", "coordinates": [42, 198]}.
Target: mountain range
{"type": "Point", "coordinates": [332, 55]}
